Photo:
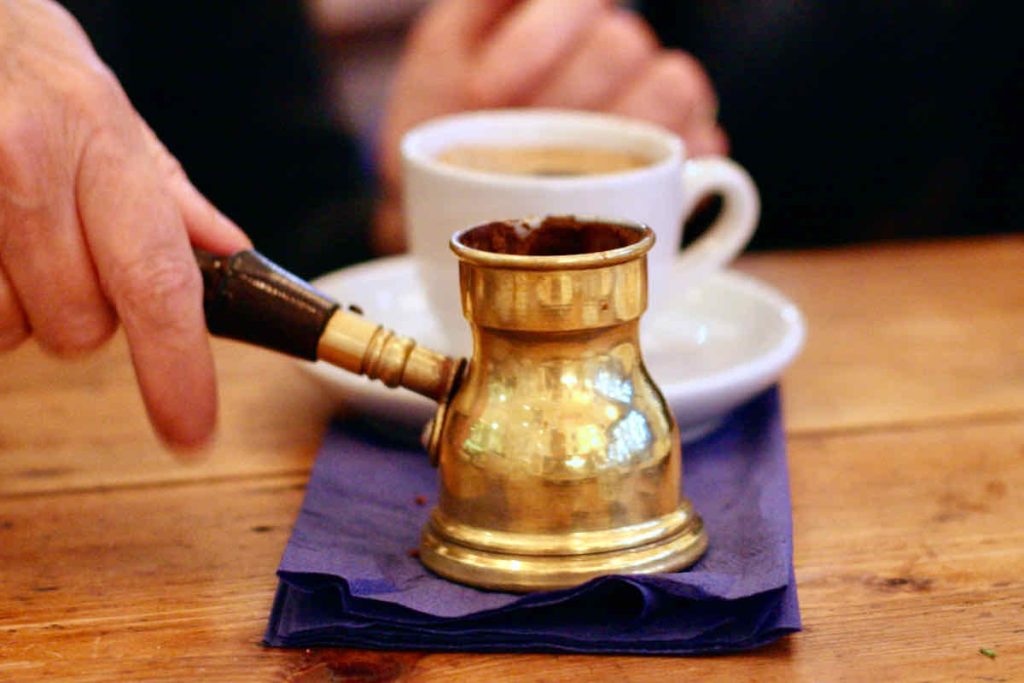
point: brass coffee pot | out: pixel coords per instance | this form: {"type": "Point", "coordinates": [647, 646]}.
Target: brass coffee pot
{"type": "Point", "coordinates": [559, 458]}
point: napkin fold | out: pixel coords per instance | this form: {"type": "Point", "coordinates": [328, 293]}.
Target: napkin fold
{"type": "Point", "coordinates": [349, 576]}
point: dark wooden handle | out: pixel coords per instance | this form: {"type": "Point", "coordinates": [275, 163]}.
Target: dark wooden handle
{"type": "Point", "coordinates": [249, 298]}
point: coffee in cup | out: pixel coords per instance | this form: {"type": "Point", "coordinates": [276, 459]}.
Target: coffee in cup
{"type": "Point", "coordinates": [548, 161]}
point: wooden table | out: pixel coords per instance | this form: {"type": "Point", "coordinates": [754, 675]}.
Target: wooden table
{"type": "Point", "coordinates": [905, 417]}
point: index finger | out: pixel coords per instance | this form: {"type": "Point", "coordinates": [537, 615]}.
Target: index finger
{"type": "Point", "coordinates": [145, 264]}
{"type": "Point", "coordinates": [527, 44]}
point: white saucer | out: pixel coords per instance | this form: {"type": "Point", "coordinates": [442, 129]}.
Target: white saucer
{"type": "Point", "coordinates": [727, 339]}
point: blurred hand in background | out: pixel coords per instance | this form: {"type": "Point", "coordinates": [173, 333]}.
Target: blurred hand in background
{"type": "Point", "coordinates": [578, 54]}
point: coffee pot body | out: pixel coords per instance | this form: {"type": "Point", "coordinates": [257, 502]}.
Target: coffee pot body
{"type": "Point", "coordinates": [559, 458]}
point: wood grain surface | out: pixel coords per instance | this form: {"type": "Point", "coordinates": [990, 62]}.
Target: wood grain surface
{"type": "Point", "coordinates": [905, 419]}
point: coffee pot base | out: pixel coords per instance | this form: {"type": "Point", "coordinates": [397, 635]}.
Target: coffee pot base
{"type": "Point", "coordinates": [522, 572]}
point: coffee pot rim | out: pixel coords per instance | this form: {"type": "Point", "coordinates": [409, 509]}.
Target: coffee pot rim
{"type": "Point", "coordinates": [579, 261]}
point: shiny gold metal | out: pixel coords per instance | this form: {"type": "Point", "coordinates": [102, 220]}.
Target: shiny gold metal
{"type": "Point", "coordinates": [366, 348]}
{"type": "Point", "coordinates": [559, 458]}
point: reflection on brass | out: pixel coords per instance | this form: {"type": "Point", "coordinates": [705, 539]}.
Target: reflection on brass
{"type": "Point", "coordinates": [559, 458]}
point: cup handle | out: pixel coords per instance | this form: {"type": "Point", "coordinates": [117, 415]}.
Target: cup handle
{"type": "Point", "coordinates": [732, 230]}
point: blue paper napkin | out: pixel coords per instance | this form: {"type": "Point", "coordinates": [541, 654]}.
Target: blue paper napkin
{"type": "Point", "coordinates": [350, 578]}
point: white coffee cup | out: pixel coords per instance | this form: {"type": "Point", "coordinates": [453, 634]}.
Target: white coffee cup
{"type": "Point", "coordinates": [441, 198]}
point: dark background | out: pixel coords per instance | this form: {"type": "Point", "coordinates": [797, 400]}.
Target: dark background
{"type": "Point", "coordinates": [866, 120]}
{"type": "Point", "coordinates": [859, 121]}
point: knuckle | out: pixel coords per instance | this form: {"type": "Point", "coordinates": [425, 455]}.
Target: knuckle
{"type": "Point", "coordinates": [629, 35]}
{"type": "Point", "coordinates": [158, 292]}
{"type": "Point", "coordinates": [103, 155]}
{"type": "Point", "coordinates": [98, 111]}
{"type": "Point", "coordinates": [683, 82]}
{"type": "Point", "coordinates": [170, 165]}
{"type": "Point", "coordinates": [679, 68]}
{"type": "Point", "coordinates": [166, 162]}
{"type": "Point", "coordinates": [94, 92]}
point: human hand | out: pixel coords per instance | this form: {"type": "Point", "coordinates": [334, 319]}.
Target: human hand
{"type": "Point", "coordinates": [575, 54]}
{"type": "Point", "coordinates": [96, 220]}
